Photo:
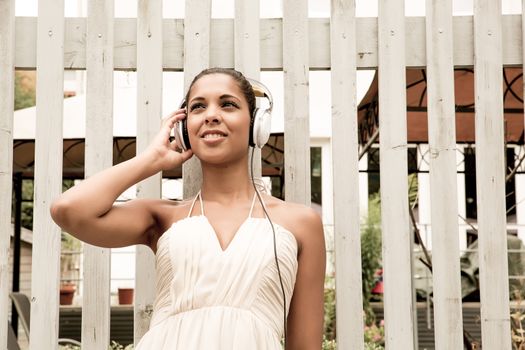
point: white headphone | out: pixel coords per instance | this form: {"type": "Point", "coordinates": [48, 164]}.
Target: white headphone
{"type": "Point", "coordinates": [260, 121]}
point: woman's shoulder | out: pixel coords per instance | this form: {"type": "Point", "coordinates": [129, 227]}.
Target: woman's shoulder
{"type": "Point", "coordinates": [296, 211]}
{"type": "Point", "coordinates": [302, 221]}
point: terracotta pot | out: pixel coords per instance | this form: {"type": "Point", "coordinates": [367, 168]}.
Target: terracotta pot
{"type": "Point", "coordinates": [67, 292]}
{"type": "Point", "coordinates": [125, 296]}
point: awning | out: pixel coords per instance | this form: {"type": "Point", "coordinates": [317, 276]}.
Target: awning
{"type": "Point", "coordinates": [417, 122]}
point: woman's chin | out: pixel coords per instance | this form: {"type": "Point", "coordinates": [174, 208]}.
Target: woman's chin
{"type": "Point", "coordinates": [220, 158]}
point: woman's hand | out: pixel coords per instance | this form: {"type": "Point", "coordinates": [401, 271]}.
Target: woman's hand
{"type": "Point", "coordinates": [165, 152]}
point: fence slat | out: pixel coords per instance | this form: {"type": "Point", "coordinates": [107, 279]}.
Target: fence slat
{"type": "Point", "coordinates": [247, 52]}
{"type": "Point", "coordinates": [99, 156]}
{"type": "Point", "coordinates": [197, 25]}
{"type": "Point", "coordinates": [395, 225]}
{"type": "Point", "coordinates": [7, 83]}
{"type": "Point", "coordinates": [48, 174]}
{"type": "Point", "coordinates": [247, 38]}
{"type": "Point", "coordinates": [443, 177]}
{"type": "Point", "coordinates": [490, 176]}
{"type": "Point", "coordinates": [296, 105]}
{"type": "Point", "coordinates": [345, 145]}
{"type": "Point", "coordinates": [149, 112]}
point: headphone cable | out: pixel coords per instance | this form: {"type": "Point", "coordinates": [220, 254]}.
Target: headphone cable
{"type": "Point", "coordinates": [274, 244]}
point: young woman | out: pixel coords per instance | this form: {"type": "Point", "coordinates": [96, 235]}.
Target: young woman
{"type": "Point", "coordinates": [232, 263]}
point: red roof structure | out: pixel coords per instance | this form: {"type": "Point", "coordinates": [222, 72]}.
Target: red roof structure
{"type": "Point", "coordinates": [417, 122]}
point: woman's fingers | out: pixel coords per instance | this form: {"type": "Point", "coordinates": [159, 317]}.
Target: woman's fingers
{"type": "Point", "coordinates": [174, 146]}
{"type": "Point", "coordinates": [168, 122]}
{"type": "Point", "coordinates": [186, 155]}
{"type": "Point", "coordinates": [174, 117]}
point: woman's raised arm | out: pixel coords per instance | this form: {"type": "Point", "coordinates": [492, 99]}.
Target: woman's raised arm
{"type": "Point", "coordinates": [87, 210]}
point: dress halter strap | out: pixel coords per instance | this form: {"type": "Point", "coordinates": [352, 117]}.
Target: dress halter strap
{"type": "Point", "coordinates": [193, 204]}
{"type": "Point", "coordinates": [199, 196]}
{"type": "Point", "coordinates": [253, 203]}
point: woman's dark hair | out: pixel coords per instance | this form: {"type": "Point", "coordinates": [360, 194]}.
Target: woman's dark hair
{"type": "Point", "coordinates": [244, 85]}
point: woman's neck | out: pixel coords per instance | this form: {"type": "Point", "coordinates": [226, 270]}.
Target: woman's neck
{"type": "Point", "coordinates": [224, 184]}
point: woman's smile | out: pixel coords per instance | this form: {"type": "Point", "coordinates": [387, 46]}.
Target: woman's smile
{"type": "Point", "coordinates": [212, 137]}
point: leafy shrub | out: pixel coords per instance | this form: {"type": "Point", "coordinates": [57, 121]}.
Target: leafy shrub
{"type": "Point", "coordinates": [370, 253]}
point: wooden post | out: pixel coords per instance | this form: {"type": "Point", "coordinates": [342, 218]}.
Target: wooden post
{"type": "Point", "coordinates": [45, 277]}
{"type": "Point", "coordinates": [296, 105]}
{"type": "Point", "coordinates": [149, 113]}
{"type": "Point", "coordinates": [7, 89]}
{"type": "Point", "coordinates": [443, 180]}
{"type": "Point", "coordinates": [197, 24]}
{"type": "Point", "coordinates": [345, 145]}
{"type": "Point", "coordinates": [395, 223]}
{"type": "Point", "coordinates": [490, 176]}
{"type": "Point", "coordinates": [99, 156]}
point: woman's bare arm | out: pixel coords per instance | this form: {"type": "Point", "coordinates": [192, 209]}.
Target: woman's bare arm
{"type": "Point", "coordinates": [305, 320]}
{"type": "Point", "coordinates": [88, 212]}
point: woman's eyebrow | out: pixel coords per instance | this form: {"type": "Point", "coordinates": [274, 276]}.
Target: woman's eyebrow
{"type": "Point", "coordinates": [222, 97]}
{"type": "Point", "coordinates": [228, 96]}
{"type": "Point", "coordinates": [198, 98]}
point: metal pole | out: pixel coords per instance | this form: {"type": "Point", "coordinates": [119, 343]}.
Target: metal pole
{"type": "Point", "coordinates": [17, 187]}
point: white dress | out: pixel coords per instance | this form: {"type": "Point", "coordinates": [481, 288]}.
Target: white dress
{"type": "Point", "coordinates": [210, 298]}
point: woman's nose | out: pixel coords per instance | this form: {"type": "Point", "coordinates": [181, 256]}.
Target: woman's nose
{"type": "Point", "coordinates": [212, 115]}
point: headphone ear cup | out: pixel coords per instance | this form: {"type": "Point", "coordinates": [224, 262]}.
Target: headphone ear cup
{"type": "Point", "coordinates": [185, 136]}
{"type": "Point", "coordinates": [252, 127]}
{"type": "Point", "coordinates": [181, 130]}
{"type": "Point", "coordinates": [181, 135]}
{"type": "Point", "coordinates": [261, 127]}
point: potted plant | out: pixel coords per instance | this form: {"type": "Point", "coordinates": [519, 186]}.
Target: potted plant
{"type": "Point", "coordinates": [125, 296]}
{"type": "Point", "coordinates": [67, 292]}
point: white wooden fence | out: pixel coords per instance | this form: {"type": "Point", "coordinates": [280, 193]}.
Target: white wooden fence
{"type": "Point", "coordinates": [294, 44]}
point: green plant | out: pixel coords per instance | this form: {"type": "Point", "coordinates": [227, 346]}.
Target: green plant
{"type": "Point", "coordinates": [375, 334]}
{"type": "Point", "coordinates": [517, 316]}
{"type": "Point", "coordinates": [373, 346]}
{"type": "Point", "coordinates": [69, 260]}
{"type": "Point", "coordinates": [329, 314]}
{"type": "Point", "coordinates": [116, 346]}
{"type": "Point", "coordinates": [113, 346]}
{"type": "Point", "coordinates": [370, 253]}
{"type": "Point", "coordinates": [329, 344]}
{"type": "Point", "coordinates": [25, 95]}
{"type": "Point", "coordinates": [69, 347]}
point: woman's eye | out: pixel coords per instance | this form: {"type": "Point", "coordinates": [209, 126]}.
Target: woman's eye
{"type": "Point", "coordinates": [229, 104]}
{"type": "Point", "coordinates": [195, 106]}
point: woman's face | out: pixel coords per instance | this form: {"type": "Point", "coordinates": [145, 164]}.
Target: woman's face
{"type": "Point", "coordinates": [218, 120]}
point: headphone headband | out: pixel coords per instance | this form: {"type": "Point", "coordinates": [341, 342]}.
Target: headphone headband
{"type": "Point", "coordinates": [260, 90]}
